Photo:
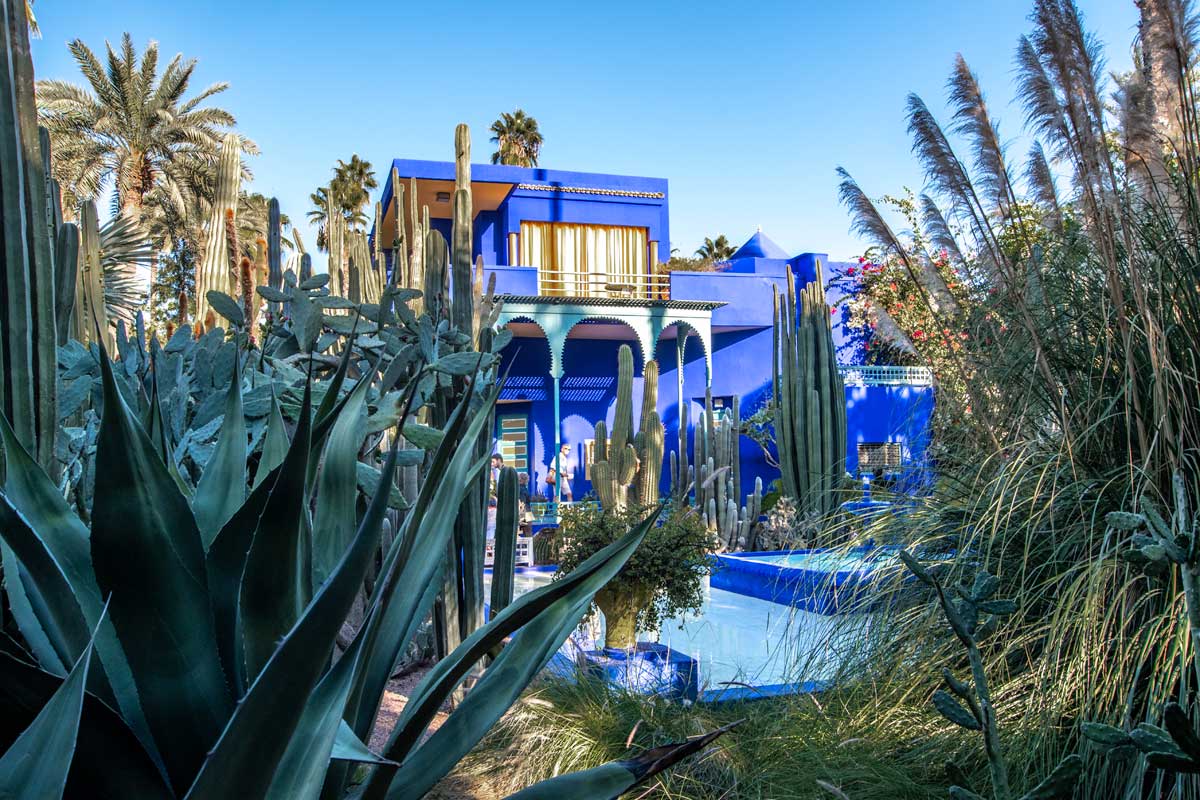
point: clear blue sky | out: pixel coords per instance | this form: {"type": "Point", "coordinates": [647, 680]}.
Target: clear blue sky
{"type": "Point", "coordinates": [745, 108]}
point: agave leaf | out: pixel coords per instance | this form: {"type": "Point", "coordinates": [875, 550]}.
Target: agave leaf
{"type": "Point", "coordinates": [60, 617]}
{"type": "Point", "coordinates": [543, 620]}
{"type": "Point", "coordinates": [65, 539]}
{"type": "Point", "coordinates": [276, 583]}
{"type": "Point", "coordinates": [24, 610]}
{"type": "Point", "coordinates": [337, 486]}
{"type": "Point", "coordinates": [609, 781]}
{"type": "Point", "coordinates": [265, 720]}
{"type": "Point", "coordinates": [148, 558]}
{"type": "Point", "coordinates": [275, 442]}
{"type": "Point", "coordinates": [225, 562]}
{"type": "Point", "coordinates": [301, 771]}
{"type": "Point", "coordinates": [222, 487]}
{"type": "Point", "coordinates": [35, 767]}
{"type": "Point", "coordinates": [413, 566]}
{"type": "Point", "coordinates": [109, 761]}
{"type": "Point", "coordinates": [348, 747]}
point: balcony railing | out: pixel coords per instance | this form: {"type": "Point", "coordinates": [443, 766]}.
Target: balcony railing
{"type": "Point", "coordinates": [597, 284]}
{"type": "Point", "coordinates": [886, 376]}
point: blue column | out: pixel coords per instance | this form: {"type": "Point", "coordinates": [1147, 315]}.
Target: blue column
{"type": "Point", "coordinates": [558, 475]}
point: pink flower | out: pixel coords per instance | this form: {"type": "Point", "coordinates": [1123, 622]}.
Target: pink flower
{"type": "Point", "coordinates": [850, 271]}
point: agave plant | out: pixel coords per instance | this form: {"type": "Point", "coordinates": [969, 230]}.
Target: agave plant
{"type": "Point", "coordinates": [216, 669]}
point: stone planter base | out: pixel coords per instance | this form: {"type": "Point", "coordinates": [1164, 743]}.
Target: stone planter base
{"type": "Point", "coordinates": [648, 669]}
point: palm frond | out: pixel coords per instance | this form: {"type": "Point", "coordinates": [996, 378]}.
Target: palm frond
{"type": "Point", "coordinates": [126, 256]}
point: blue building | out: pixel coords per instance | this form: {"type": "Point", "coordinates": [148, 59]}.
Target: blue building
{"type": "Point", "coordinates": [577, 260]}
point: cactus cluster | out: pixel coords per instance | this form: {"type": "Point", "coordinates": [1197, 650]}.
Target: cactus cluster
{"type": "Point", "coordinates": [719, 478]}
{"type": "Point", "coordinates": [629, 463]}
{"type": "Point", "coordinates": [716, 477]}
{"type": "Point", "coordinates": [808, 399]}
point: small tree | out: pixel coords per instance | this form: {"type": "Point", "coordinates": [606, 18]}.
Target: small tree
{"type": "Point", "coordinates": [662, 579]}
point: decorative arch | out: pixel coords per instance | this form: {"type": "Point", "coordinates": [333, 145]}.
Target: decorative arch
{"type": "Point", "coordinates": [703, 332]}
{"type": "Point", "coordinates": [645, 348]}
{"type": "Point", "coordinates": [529, 318]}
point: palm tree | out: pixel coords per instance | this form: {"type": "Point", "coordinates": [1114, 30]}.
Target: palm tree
{"type": "Point", "coordinates": [517, 138]}
{"type": "Point", "coordinates": [353, 181]}
{"type": "Point", "coordinates": [252, 222]}
{"type": "Point", "coordinates": [129, 124]}
{"type": "Point", "coordinates": [348, 194]}
{"type": "Point", "coordinates": [718, 249]}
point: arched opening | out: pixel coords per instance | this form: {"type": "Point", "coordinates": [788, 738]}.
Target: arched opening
{"type": "Point", "coordinates": [588, 391]}
{"type": "Point", "coordinates": [524, 432]}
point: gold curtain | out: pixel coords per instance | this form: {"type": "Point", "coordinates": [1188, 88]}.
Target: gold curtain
{"type": "Point", "coordinates": [586, 260]}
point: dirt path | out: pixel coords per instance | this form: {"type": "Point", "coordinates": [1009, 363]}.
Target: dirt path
{"type": "Point", "coordinates": [398, 691]}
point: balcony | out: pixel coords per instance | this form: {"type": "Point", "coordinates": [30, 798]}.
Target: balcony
{"type": "Point", "coordinates": [875, 375]}
{"type": "Point", "coordinates": [530, 282]}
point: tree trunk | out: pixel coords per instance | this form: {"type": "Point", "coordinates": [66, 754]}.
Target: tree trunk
{"type": "Point", "coordinates": [620, 605]}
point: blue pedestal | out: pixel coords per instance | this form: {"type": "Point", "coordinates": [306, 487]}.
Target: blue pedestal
{"type": "Point", "coordinates": [648, 669]}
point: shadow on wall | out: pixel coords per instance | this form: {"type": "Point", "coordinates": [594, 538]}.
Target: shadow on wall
{"type": "Point", "coordinates": [900, 414]}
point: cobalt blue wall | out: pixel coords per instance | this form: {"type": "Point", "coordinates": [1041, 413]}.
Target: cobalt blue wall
{"type": "Point", "coordinates": [588, 393]}
{"type": "Point", "coordinates": [553, 204]}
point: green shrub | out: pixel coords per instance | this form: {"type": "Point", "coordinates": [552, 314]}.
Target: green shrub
{"type": "Point", "coordinates": [665, 576]}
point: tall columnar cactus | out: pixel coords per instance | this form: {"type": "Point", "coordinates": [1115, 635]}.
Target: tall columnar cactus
{"type": "Point", "coordinates": [508, 519]}
{"type": "Point", "coordinates": [808, 399]}
{"type": "Point", "coordinates": [89, 314]}
{"type": "Point", "coordinates": [649, 441]}
{"type": "Point", "coordinates": [335, 241]}
{"type": "Point", "coordinates": [365, 283]}
{"type": "Point", "coordinates": [274, 250]}
{"type": "Point", "coordinates": [473, 314]}
{"type": "Point", "coordinates": [216, 271]}
{"type": "Point", "coordinates": [626, 459]}
{"type": "Point", "coordinates": [416, 264]}
{"type": "Point", "coordinates": [27, 265]}
{"type": "Point", "coordinates": [399, 243]}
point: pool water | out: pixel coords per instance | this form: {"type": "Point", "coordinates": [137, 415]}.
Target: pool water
{"type": "Point", "coordinates": [823, 560]}
{"type": "Point", "coordinates": [741, 640]}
